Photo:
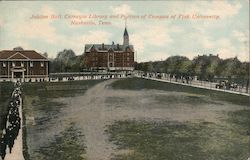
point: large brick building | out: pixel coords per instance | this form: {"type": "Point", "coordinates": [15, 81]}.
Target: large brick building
{"type": "Point", "coordinates": [110, 56]}
{"type": "Point", "coordinates": [19, 63]}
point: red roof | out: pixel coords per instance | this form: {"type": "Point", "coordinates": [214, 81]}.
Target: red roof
{"type": "Point", "coordinates": [22, 54]}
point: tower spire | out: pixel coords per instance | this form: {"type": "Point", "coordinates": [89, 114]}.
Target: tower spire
{"type": "Point", "coordinates": [125, 35]}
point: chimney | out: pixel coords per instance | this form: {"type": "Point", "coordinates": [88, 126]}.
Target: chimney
{"type": "Point", "coordinates": [113, 42]}
{"type": "Point", "coordinates": [18, 49]}
{"type": "Point", "coordinates": [118, 47]}
{"type": "Point", "coordinates": [102, 46]}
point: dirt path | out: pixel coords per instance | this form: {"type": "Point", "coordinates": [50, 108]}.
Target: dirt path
{"type": "Point", "coordinates": [101, 105]}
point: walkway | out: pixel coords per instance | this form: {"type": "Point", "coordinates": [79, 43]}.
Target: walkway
{"type": "Point", "coordinates": [17, 150]}
{"type": "Point", "coordinates": [209, 86]}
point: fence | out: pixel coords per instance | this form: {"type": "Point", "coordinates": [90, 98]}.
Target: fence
{"type": "Point", "coordinates": [194, 83]}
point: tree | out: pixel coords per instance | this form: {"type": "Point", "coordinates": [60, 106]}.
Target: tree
{"type": "Point", "coordinates": [211, 66]}
{"type": "Point", "coordinates": [178, 65]}
{"type": "Point", "coordinates": [66, 61]}
{"type": "Point", "coordinates": [243, 74]}
{"type": "Point", "coordinates": [205, 66]}
{"type": "Point", "coordinates": [45, 54]}
{"type": "Point", "coordinates": [228, 68]}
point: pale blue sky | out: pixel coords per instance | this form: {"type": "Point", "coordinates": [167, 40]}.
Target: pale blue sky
{"type": "Point", "coordinates": [152, 39]}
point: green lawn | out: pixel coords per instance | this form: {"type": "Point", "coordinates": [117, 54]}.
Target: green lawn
{"type": "Point", "coordinates": [66, 145]}
{"type": "Point", "coordinates": [141, 84]}
{"type": "Point", "coordinates": [51, 137]}
{"type": "Point", "coordinates": [229, 139]}
{"type": "Point", "coordinates": [177, 141]}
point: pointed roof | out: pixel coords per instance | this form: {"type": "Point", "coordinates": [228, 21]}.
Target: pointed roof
{"type": "Point", "coordinates": [107, 47]}
{"type": "Point", "coordinates": [125, 32]}
{"type": "Point", "coordinates": [21, 54]}
{"type": "Point", "coordinates": [18, 55]}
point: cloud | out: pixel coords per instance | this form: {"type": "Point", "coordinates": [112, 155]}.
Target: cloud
{"type": "Point", "coordinates": [157, 56]}
{"type": "Point", "coordinates": [241, 36]}
{"type": "Point", "coordinates": [146, 56]}
{"type": "Point", "coordinates": [138, 42]}
{"type": "Point", "coordinates": [221, 8]}
{"type": "Point", "coordinates": [156, 35]}
{"type": "Point", "coordinates": [226, 49]}
{"type": "Point", "coordinates": [38, 28]}
{"type": "Point", "coordinates": [207, 43]}
{"type": "Point", "coordinates": [153, 37]}
{"type": "Point", "coordinates": [123, 9]}
{"type": "Point", "coordinates": [47, 10]}
{"type": "Point", "coordinates": [226, 53]}
{"type": "Point", "coordinates": [77, 43]}
{"type": "Point", "coordinates": [98, 36]}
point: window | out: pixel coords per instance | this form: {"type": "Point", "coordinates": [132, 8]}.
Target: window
{"type": "Point", "coordinates": [4, 64]}
{"type": "Point", "coordinates": [31, 72]}
{"type": "Point", "coordinates": [42, 64]}
{"type": "Point", "coordinates": [127, 58]}
{"type": "Point", "coordinates": [13, 64]}
{"type": "Point", "coordinates": [31, 64]}
{"type": "Point", "coordinates": [22, 64]}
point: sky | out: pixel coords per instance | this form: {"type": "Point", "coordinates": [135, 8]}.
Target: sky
{"type": "Point", "coordinates": [222, 28]}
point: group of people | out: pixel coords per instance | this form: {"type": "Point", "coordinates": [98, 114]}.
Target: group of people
{"type": "Point", "coordinates": [13, 121]}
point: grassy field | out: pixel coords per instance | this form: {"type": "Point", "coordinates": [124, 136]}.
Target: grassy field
{"type": "Point", "coordinates": [228, 139]}
{"type": "Point", "coordinates": [178, 141]}
{"type": "Point", "coordinates": [132, 119]}
{"type": "Point", "coordinates": [142, 84]}
{"type": "Point", "coordinates": [47, 135]}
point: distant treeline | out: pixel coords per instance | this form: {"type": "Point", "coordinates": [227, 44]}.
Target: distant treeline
{"type": "Point", "coordinates": [204, 67]}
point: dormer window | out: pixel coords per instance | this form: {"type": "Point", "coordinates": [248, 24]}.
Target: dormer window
{"type": "Point", "coordinates": [42, 64]}
{"type": "Point", "coordinates": [31, 64]}
{"type": "Point", "coordinates": [4, 64]}
{"type": "Point", "coordinates": [13, 64]}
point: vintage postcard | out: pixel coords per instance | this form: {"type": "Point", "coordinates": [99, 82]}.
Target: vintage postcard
{"type": "Point", "coordinates": [124, 80]}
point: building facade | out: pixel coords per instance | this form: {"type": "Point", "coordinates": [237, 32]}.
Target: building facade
{"type": "Point", "coordinates": [110, 56]}
{"type": "Point", "coordinates": [19, 63]}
